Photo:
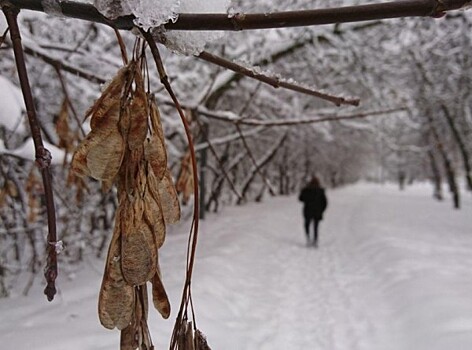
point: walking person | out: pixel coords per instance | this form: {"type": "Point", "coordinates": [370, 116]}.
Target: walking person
{"type": "Point", "coordinates": [314, 204]}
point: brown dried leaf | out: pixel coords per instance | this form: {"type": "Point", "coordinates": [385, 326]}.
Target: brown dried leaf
{"type": "Point", "coordinates": [153, 211]}
{"type": "Point", "coordinates": [116, 298]}
{"type": "Point", "coordinates": [155, 149]}
{"type": "Point", "coordinates": [169, 199]}
{"type": "Point", "coordinates": [107, 100]}
{"type": "Point", "coordinates": [35, 190]}
{"type": "Point", "coordinates": [128, 339]}
{"type": "Point", "coordinates": [155, 154]}
{"type": "Point", "coordinates": [202, 343]}
{"type": "Point", "coordinates": [159, 296]}
{"type": "Point", "coordinates": [156, 124]}
{"type": "Point", "coordinates": [104, 160]}
{"type": "Point", "coordinates": [138, 248]}
{"type": "Point", "coordinates": [137, 335]}
{"type": "Point", "coordinates": [79, 184]}
{"type": "Point", "coordinates": [139, 112]}
{"type": "Point", "coordinates": [100, 154]}
{"type": "Point", "coordinates": [9, 189]}
{"type": "Point", "coordinates": [184, 184]}
{"type": "Point", "coordinates": [66, 137]}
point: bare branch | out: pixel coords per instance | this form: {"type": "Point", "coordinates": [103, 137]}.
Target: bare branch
{"type": "Point", "coordinates": [43, 156]}
{"type": "Point", "coordinates": [241, 21]}
{"type": "Point", "coordinates": [222, 167]}
{"type": "Point", "coordinates": [58, 64]}
{"type": "Point", "coordinates": [232, 118]}
{"type": "Point", "coordinates": [274, 81]}
{"type": "Point", "coordinates": [253, 160]}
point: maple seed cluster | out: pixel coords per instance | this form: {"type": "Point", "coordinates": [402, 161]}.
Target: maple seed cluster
{"type": "Point", "coordinates": [126, 148]}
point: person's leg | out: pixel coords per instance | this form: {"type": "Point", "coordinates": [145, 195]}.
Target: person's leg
{"type": "Point", "coordinates": [307, 228]}
{"type": "Point", "coordinates": [315, 230]}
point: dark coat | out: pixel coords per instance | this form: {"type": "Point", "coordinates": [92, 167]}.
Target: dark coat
{"type": "Point", "coordinates": [315, 202]}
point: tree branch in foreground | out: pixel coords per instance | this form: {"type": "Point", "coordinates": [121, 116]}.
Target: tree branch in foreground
{"type": "Point", "coordinates": [43, 156]}
{"type": "Point", "coordinates": [250, 21]}
{"type": "Point", "coordinates": [274, 81]}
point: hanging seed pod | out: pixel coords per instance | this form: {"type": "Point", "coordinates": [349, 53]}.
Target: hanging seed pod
{"type": "Point", "coordinates": [169, 199]}
{"type": "Point", "coordinates": [153, 214]}
{"type": "Point", "coordinates": [136, 335]}
{"type": "Point", "coordinates": [100, 154]}
{"type": "Point", "coordinates": [184, 184]}
{"type": "Point", "coordinates": [126, 147]}
{"type": "Point", "coordinates": [155, 149]}
{"type": "Point", "coordinates": [116, 298]}
{"type": "Point", "coordinates": [63, 131]}
{"type": "Point", "coordinates": [138, 248]}
{"type": "Point", "coordinates": [138, 112]}
{"type": "Point", "coordinates": [159, 295]}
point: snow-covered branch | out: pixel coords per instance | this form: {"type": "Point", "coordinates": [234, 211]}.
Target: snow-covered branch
{"type": "Point", "coordinates": [275, 82]}
{"type": "Point", "coordinates": [250, 21]}
{"type": "Point", "coordinates": [232, 118]}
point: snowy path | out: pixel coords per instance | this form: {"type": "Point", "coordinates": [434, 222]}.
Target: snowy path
{"type": "Point", "coordinates": [393, 272]}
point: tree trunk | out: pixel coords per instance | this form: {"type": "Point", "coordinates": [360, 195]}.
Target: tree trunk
{"type": "Point", "coordinates": [436, 176]}
{"type": "Point", "coordinates": [448, 167]}
{"type": "Point", "coordinates": [462, 147]}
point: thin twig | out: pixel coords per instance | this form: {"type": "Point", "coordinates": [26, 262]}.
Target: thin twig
{"type": "Point", "coordinates": [43, 156]}
{"type": "Point", "coordinates": [253, 160]}
{"type": "Point", "coordinates": [274, 81]}
{"type": "Point", "coordinates": [222, 167]}
{"type": "Point", "coordinates": [3, 37]}
{"type": "Point", "coordinates": [64, 66]}
{"type": "Point", "coordinates": [224, 116]}
{"type": "Point", "coordinates": [69, 101]}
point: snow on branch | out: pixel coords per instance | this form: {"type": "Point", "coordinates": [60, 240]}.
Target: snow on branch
{"type": "Point", "coordinates": [230, 117]}
{"type": "Point", "coordinates": [250, 21]}
{"type": "Point", "coordinates": [275, 82]}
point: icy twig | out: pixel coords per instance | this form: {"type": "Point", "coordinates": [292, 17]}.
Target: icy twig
{"type": "Point", "coordinates": [43, 156]}
{"type": "Point", "coordinates": [274, 81]}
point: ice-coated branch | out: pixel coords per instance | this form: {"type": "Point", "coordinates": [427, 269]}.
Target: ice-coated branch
{"type": "Point", "coordinates": [250, 21]}
{"type": "Point", "coordinates": [43, 156]}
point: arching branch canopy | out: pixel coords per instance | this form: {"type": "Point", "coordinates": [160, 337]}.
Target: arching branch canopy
{"type": "Point", "coordinates": [241, 21]}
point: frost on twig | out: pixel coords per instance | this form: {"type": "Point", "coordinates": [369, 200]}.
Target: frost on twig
{"type": "Point", "coordinates": [275, 81]}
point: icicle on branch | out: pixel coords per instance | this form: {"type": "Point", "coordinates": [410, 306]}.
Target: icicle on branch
{"type": "Point", "coordinates": [251, 21]}
{"type": "Point", "coordinates": [43, 156]}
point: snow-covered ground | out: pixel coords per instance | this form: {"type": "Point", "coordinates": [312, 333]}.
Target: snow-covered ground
{"type": "Point", "coordinates": [393, 272]}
